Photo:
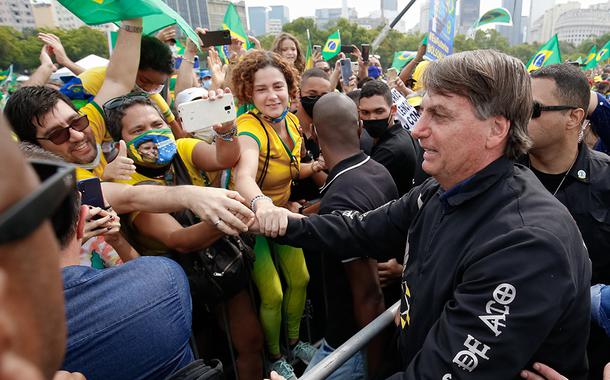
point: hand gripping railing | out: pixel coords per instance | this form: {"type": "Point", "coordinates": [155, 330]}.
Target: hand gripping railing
{"type": "Point", "coordinates": [348, 349]}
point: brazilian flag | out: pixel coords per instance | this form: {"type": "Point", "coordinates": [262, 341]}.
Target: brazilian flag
{"type": "Point", "coordinates": [590, 62]}
{"type": "Point", "coordinates": [401, 58]}
{"type": "Point", "coordinates": [547, 55]}
{"type": "Point", "coordinates": [332, 46]}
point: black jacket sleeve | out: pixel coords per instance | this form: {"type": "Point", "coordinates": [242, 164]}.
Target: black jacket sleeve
{"type": "Point", "coordinates": [513, 282]}
{"type": "Point", "coordinates": [356, 234]}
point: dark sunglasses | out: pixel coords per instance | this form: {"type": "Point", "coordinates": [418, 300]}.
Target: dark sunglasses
{"type": "Point", "coordinates": [119, 101]}
{"type": "Point", "coordinates": [61, 135]}
{"type": "Point", "coordinates": [54, 196]}
{"type": "Point", "coordinates": [538, 109]}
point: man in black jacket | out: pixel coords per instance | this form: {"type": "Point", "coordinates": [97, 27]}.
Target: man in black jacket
{"type": "Point", "coordinates": [496, 274]}
{"type": "Point", "coordinates": [576, 175]}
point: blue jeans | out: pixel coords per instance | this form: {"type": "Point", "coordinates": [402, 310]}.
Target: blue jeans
{"type": "Point", "coordinates": [132, 321]}
{"type": "Point", "coordinates": [353, 369]}
{"type": "Point", "coordinates": [600, 306]}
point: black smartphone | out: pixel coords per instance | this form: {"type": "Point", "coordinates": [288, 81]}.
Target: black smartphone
{"type": "Point", "coordinates": [346, 70]}
{"type": "Point", "coordinates": [365, 52]}
{"type": "Point", "coordinates": [215, 38]}
{"type": "Point", "coordinates": [91, 192]}
{"type": "Point", "coordinates": [349, 49]}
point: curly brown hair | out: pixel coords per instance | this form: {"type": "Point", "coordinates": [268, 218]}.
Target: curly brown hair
{"type": "Point", "coordinates": [299, 62]}
{"type": "Point", "coordinates": [243, 74]}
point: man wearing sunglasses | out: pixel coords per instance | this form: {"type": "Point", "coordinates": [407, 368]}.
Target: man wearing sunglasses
{"type": "Point", "coordinates": [576, 175]}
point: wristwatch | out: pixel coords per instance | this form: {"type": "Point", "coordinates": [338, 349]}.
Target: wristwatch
{"type": "Point", "coordinates": [132, 28]}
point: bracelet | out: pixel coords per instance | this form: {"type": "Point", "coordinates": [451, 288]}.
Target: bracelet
{"type": "Point", "coordinates": [132, 28]}
{"type": "Point", "coordinates": [256, 199]}
{"type": "Point", "coordinates": [228, 135]}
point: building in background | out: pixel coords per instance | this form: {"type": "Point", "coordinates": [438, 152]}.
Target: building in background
{"type": "Point", "coordinates": [543, 28]}
{"type": "Point", "coordinates": [577, 25]}
{"type": "Point", "coordinates": [537, 10]}
{"type": "Point", "coordinates": [514, 34]}
{"type": "Point", "coordinates": [280, 12]}
{"type": "Point", "coordinates": [23, 14]}
{"type": "Point", "coordinates": [274, 26]}
{"type": "Point", "coordinates": [257, 17]}
{"type": "Point", "coordinates": [469, 14]}
{"type": "Point", "coordinates": [424, 17]}
{"type": "Point", "coordinates": [325, 16]}
{"type": "Point", "coordinates": [206, 13]}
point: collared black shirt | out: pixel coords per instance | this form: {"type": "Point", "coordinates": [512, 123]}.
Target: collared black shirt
{"type": "Point", "coordinates": [356, 183]}
{"type": "Point", "coordinates": [586, 194]}
{"type": "Point", "coordinates": [496, 274]}
{"type": "Point", "coordinates": [397, 151]}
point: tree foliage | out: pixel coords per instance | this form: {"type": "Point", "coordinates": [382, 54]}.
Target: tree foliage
{"type": "Point", "coordinates": [22, 49]}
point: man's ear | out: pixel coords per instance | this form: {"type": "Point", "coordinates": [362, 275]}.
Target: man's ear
{"type": "Point", "coordinates": [82, 218]}
{"type": "Point", "coordinates": [499, 130]}
{"type": "Point", "coordinates": [575, 119]}
{"type": "Point", "coordinates": [393, 110]}
{"type": "Point", "coordinates": [360, 126]}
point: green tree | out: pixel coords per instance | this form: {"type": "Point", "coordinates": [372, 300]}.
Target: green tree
{"type": "Point", "coordinates": [10, 51]}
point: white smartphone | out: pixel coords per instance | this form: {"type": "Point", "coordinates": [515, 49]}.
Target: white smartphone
{"type": "Point", "coordinates": [202, 114]}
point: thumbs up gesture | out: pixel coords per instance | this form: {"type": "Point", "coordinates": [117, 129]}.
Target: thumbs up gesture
{"type": "Point", "coordinates": [121, 168]}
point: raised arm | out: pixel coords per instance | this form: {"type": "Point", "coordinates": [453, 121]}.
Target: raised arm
{"type": "Point", "coordinates": [59, 52]}
{"type": "Point", "coordinates": [124, 62]}
{"type": "Point", "coordinates": [44, 71]}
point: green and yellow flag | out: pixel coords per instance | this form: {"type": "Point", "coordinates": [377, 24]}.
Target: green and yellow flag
{"type": "Point", "coordinates": [401, 58]}
{"type": "Point", "coordinates": [309, 55]}
{"type": "Point", "coordinates": [5, 75]}
{"type": "Point", "coordinates": [233, 24]}
{"type": "Point", "coordinates": [547, 55]}
{"type": "Point", "coordinates": [590, 61]}
{"type": "Point", "coordinates": [332, 46]}
{"type": "Point", "coordinates": [155, 14]}
{"type": "Point", "coordinates": [603, 53]}
{"type": "Point", "coordinates": [498, 16]}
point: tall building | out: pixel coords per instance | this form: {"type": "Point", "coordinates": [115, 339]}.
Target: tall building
{"type": "Point", "coordinates": [280, 12]}
{"type": "Point", "coordinates": [537, 9]}
{"type": "Point", "coordinates": [324, 16]}
{"type": "Point", "coordinates": [543, 28]}
{"type": "Point", "coordinates": [390, 5]}
{"type": "Point", "coordinates": [424, 17]}
{"type": "Point", "coordinates": [17, 14]}
{"type": "Point", "coordinates": [206, 13]}
{"type": "Point", "coordinates": [577, 25]}
{"type": "Point", "coordinates": [257, 16]}
{"type": "Point", "coordinates": [514, 33]}
{"type": "Point", "coordinates": [469, 14]}
{"type": "Point", "coordinates": [274, 26]}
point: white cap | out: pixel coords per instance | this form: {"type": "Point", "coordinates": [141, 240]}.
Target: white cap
{"type": "Point", "coordinates": [190, 94]}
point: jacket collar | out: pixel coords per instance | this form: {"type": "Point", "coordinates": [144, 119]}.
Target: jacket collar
{"type": "Point", "coordinates": [347, 164]}
{"type": "Point", "coordinates": [477, 183]}
{"type": "Point", "coordinates": [581, 169]}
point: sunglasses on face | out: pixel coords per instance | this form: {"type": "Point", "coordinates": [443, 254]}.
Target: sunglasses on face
{"type": "Point", "coordinates": [538, 109]}
{"type": "Point", "coordinates": [61, 135]}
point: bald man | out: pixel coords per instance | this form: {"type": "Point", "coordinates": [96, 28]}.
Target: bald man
{"type": "Point", "coordinates": [355, 182]}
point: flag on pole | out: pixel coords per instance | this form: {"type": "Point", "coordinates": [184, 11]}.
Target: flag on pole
{"type": "Point", "coordinates": [6, 75]}
{"type": "Point", "coordinates": [309, 55]}
{"type": "Point", "coordinates": [590, 62]}
{"type": "Point", "coordinates": [603, 53]}
{"type": "Point", "coordinates": [579, 60]}
{"type": "Point", "coordinates": [498, 16]}
{"type": "Point", "coordinates": [332, 46]}
{"type": "Point", "coordinates": [548, 54]}
{"type": "Point", "coordinates": [233, 24]}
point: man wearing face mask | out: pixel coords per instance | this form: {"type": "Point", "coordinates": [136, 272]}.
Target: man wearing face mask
{"type": "Point", "coordinates": [393, 145]}
{"type": "Point", "coordinates": [206, 79]}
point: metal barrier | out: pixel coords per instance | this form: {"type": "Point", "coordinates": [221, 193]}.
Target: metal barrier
{"type": "Point", "coordinates": [348, 349]}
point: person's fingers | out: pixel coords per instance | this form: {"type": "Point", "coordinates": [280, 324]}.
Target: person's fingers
{"type": "Point", "coordinates": [234, 195]}
{"type": "Point", "coordinates": [607, 372]}
{"type": "Point", "coordinates": [283, 226]}
{"type": "Point", "coordinates": [525, 374]}
{"type": "Point", "coordinates": [275, 226]}
{"type": "Point", "coordinates": [230, 220]}
{"type": "Point", "coordinates": [548, 372]}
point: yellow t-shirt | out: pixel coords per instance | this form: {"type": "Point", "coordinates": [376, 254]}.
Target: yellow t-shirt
{"type": "Point", "coordinates": [98, 127]}
{"type": "Point", "coordinates": [283, 163]}
{"type": "Point", "coordinates": [93, 79]}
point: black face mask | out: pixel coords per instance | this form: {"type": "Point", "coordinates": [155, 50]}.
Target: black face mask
{"type": "Point", "coordinates": [375, 128]}
{"type": "Point", "coordinates": [308, 102]}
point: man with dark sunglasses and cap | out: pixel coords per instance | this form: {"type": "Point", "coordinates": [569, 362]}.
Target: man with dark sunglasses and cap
{"type": "Point", "coordinates": [576, 175]}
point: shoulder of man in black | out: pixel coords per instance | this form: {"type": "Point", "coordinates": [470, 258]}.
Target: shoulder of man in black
{"type": "Point", "coordinates": [363, 188]}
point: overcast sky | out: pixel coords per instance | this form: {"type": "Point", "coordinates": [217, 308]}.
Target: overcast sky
{"type": "Point", "coordinates": [306, 8]}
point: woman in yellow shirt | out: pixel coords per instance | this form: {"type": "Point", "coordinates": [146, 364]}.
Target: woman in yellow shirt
{"type": "Point", "coordinates": [270, 146]}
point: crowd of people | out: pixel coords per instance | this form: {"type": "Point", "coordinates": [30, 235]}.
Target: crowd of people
{"type": "Point", "coordinates": [489, 219]}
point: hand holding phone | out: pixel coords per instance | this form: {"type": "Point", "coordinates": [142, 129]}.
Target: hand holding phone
{"type": "Point", "coordinates": [202, 114]}
{"type": "Point", "coordinates": [214, 38]}
{"type": "Point", "coordinates": [91, 192]}
{"type": "Point", "coordinates": [346, 70]}
{"type": "Point", "coordinates": [391, 74]}
{"type": "Point", "coordinates": [317, 49]}
{"type": "Point", "coordinates": [365, 52]}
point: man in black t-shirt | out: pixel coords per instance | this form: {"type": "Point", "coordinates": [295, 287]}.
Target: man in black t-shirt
{"type": "Point", "coordinates": [355, 182]}
{"type": "Point", "coordinates": [393, 146]}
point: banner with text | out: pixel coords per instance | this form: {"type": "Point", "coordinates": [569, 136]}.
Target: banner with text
{"type": "Point", "coordinates": [441, 29]}
{"type": "Point", "coordinates": [405, 113]}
